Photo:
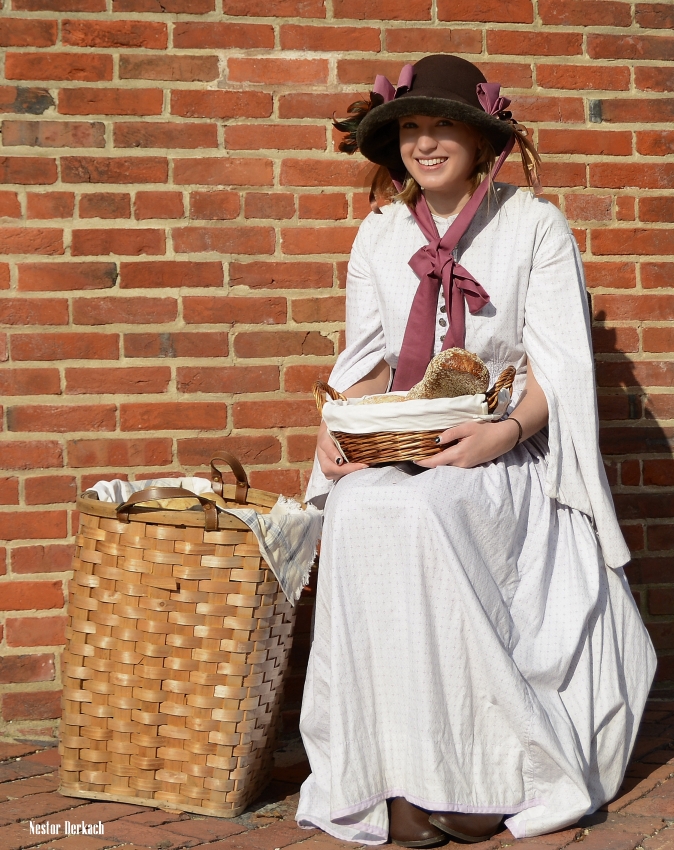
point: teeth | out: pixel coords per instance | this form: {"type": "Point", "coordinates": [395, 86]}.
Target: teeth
{"type": "Point", "coordinates": [432, 161]}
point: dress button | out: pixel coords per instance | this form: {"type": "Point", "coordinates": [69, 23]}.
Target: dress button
{"type": "Point", "coordinates": [443, 309]}
{"type": "Point", "coordinates": [442, 338]}
{"type": "Point", "coordinates": [442, 323]}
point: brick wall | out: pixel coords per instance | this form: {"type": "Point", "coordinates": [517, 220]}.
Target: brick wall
{"type": "Point", "coordinates": [174, 235]}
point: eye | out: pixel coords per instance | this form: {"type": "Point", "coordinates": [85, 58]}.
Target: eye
{"type": "Point", "coordinates": [408, 125]}
{"type": "Point", "coordinates": [445, 122]}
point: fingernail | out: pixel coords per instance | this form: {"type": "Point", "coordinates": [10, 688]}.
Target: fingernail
{"type": "Point", "coordinates": [339, 461]}
{"type": "Point", "coordinates": [437, 439]}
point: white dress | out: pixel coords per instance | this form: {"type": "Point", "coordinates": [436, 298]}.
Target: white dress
{"type": "Point", "coordinates": [476, 645]}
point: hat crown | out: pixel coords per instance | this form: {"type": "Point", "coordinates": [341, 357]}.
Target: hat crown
{"type": "Point", "coordinates": [447, 77]}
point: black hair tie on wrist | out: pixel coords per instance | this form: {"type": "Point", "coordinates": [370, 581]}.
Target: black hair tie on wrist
{"type": "Point", "coordinates": [519, 428]}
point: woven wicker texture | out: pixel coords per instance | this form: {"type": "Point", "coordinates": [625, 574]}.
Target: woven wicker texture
{"type": "Point", "coordinates": [395, 447]}
{"type": "Point", "coordinates": [177, 642]}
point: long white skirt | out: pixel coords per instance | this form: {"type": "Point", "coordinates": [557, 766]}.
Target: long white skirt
{"type": "Point", "coordinates": [471, 653]}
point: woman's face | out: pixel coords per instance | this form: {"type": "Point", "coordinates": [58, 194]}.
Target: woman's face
{"type": "Point", "coordinates": [439, 153]}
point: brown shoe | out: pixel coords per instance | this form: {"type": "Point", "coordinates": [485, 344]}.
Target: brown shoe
{"type": "Point", "coordinates": [468, 827]}
{"type": "Point", "coordinates": [409, 826]}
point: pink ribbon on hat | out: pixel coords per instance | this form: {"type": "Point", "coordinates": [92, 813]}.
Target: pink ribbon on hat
{"type": "Point", "coordinates": [384, 87]}
{"type": "Point", "coordinates": [490, 98]}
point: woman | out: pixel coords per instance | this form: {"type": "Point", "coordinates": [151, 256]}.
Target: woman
{"type": "Point", "coordinates": [477, 652]}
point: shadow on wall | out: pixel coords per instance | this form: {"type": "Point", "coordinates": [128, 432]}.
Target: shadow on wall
{"type": "Point", "coordinates": [639, 457]}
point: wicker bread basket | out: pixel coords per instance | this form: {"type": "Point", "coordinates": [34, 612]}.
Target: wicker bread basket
{"type": "Point", "coordinates": [177, 641]}
{"type": "Point", "coordinates": [394, 446]}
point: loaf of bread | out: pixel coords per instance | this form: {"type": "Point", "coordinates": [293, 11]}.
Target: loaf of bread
{"type": "Point", "coordinates": [452, 373]}
{"type": "Point", "coordinates": [382, 399]}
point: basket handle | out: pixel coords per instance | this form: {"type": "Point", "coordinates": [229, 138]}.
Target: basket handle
{"type": "Point", "coordinates": [503, 382]}
{"type": "Point", "coordinates": [321, 391]}
{"type": "Point", "coordinates": [242, 485]}
{"type": "Point", "coordinates": [150, 494]}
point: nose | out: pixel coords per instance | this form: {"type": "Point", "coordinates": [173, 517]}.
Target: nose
{"type": "Point", "coordinates": [426, 143]}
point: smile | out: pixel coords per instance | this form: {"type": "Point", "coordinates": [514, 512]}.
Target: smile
{"type": "Point", "coordinates": [431, 163]}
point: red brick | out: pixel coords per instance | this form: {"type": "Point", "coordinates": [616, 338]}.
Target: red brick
{"type": "Point", "coordinates": [158, 205]}
{"type": "Point", "coordinates": [612, 340]}
{"type": "Point", "coordinates": [657, 275]}
{"type": "Point", "coordinates": [105, 205]}
{"type": "Point", "coordinates": [224, 240]}
{"type": "Point", "coordinates": [652, 308]}
{"type": "Point", "coordinates": [32, 525]}
{"type": "Point", "coordinates": [274, 414]}
{"type": "Point", "coordinates": [636, 374]}
{"type": "Point", "coordinates": [36, 631]}
{"type": "Point", "coordinates": [585, 13]}
{"type": "Point", "coordinates": [661, 603]}
{"type": "Point", "coordinates": [300, 379]}
{"type": "Point", "coordinates": [173, 416]}
{"type": "Point", "coordinates": [625, 208]}
{"type": "Point", "coordinates": [564, 110]}
{"type": "Point", "coordinates": [607, 77]}
{"type": "Point", "coordinates": [164, 135]}
{"type": "Point", "coordinates": [22, 32]}
{"type": "Point", "coordinates": [4, 276]}
{"type": "Point", "coordinates": [641, 175]}
{"type": "Point", "coordinates": [647, 110]}
{"type": "Point", "coordinates": [65, 346]}
{"type": "Point", "coordinates": [47, 205]}
{"type": "Point", "coordinates": [630, 472]}
{"type": "Point", "coordinates": [323, 38]}
{"type": "Point", "coordinates": [275, 71]}
{"type": "Point", "coordinates": [659, 340]}
{"type": "Point", "coordinates": [29, 170]}
{"type": "Point", "coordinates": [660, 406]}
{"type": "Point", "coordinates": [654, 15]}
{"type": "Point", "coordinates": [330, 309]}
{"type": "Point", "coordinates": [223, 172]}
{"type": "Point", "coordinates": [322, 172]}
{"type": "Point", "coordinates": [120, 452]}
{"type": "Point", "coordinates": [634, 537]}
{"type": "Point", "coordinates": [50, 489]}
{"type": "Point", "coordinates": [285, 275]}
{"type": "Point", "coordinates": [285, 481]}
{"type": "Point", "coordinates": [221, 104]}
{"type": "Point", "coordinates": [317, 240]}
{"type": "Point", "coordinates": [54, 134]}
{"type": "Point", "coordinates": [82, 33]}
{"type": "Point", "coordinates": [487, 11]}
{"type": "Point", "coordinates": [517, 42]}
{"type": "Point", "coordinates": [255, 137]}
{"type": "Point", "coordinates": [117, 380]}
{"type": "Point", "coordinates": [4, 348]}
{"type": "Point", "coordinates": [22, 99]}
{"type": "Point", "coordinates": [132, 310]}
{"type": "Point", "coordinates": [234, 310]}
{"type": "Point", "coordinates": [26, 668]}
{"type": "Point", "coordinates": [282, 8]}
{"type": "Point", "coordinates": [306, 105]}
{"type": "Point", "coordinates": [659, 209]}
{"type": "Point", "coordinates": [383, 10]}
{"type": "Point", "coordinates": [330, 206]}
{"type": "Point", "coordinates": [221, 36]}
{"type": "Point", "coordinates": [227, 379]}
{"type": "Point", "coordinates": [83, 67]}
{"type": "Point", "coordinates": [178, 344]}
{"type": "Point", "coordinates": [301, 447]}
{"type": "Point", "coordinates": [62, 419]}
{"type": "Point", "coordinates": [34, 705]}
{"type": "Point", "coordinates": [654, 79]}
{"type": "Point", "coordinates": [433, 40]}
{"type": "Point", "coordinates": [661, 537]}
{"type": "Point", "coordinates": [277, 206]}
{"type": "Point", "coordinates": [198, 451]}
{"type": "Point", "coordinates": [99, 169]}
{"type": "Point", "coordinates": [129, 101]}
{"type": "Point", "coordinates": [660, 473]}
{"type": "Point", "coordinates": [130, 242]}
{"type": "Point", "coordinates": [9, 205]}
{"type": "Point", "coordinates": [62, 277]}
{"type": "Point", "coordinates": [33, 311]}
{"type": "Point", "coordinates": [632, 241]}
{"type": "Point", "coordinates": [30, 382]}
{"type": "Point", "coordinates": [588, 207]}
{"type": "Point", "coordinates": [214, 206]}
{"type": "Point", "coordinates": [31, 240]}
{"type": "Point", "coordinates": [9, 491]}
{"type": "Point", "coordinates": [613, 47]}
{"type": "Point", "coordinates": [170, 274]}
{"type": "Point", "coordinates": [59, 5]}
{"type": "Point", "coordinates": [179, 68]}
{"type": "Point", "coordinates": [281, 344]}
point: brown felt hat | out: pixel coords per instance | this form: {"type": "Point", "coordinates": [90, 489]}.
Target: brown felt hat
{"type": "Point", "coordinates": [443, 86]}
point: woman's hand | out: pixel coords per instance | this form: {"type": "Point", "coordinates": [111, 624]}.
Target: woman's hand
{"type": "Point", "coordinates": [473, 443]}
{"type": "Point", "coordinates": [331, 462]}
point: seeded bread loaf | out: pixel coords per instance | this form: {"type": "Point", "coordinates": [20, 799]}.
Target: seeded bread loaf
{"type": "Point", "coordinates": [452, 373]}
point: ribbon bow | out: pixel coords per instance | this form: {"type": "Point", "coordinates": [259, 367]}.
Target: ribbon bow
{"type": "Point", "coordinates": [384, 88]}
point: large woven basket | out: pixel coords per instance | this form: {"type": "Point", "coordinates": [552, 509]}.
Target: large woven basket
{"type": "Point", "coordinates": [393, 446]}
{"type": "Point", "coordinates": [177, 641]}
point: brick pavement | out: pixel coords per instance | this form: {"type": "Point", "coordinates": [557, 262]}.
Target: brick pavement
{"type": "Point", "coordinates": [640, 818]}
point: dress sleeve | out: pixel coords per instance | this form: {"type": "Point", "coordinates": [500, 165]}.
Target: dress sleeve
{"type": "Point", "coordinates": [558, 344]}
{"type": "Point", "coordinates": [365, 344]}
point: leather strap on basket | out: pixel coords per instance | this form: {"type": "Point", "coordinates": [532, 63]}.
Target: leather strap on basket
{"type": "Point", "coordinates": [241, 494]}
{"type": "Point", "coordinates": [151, 494]}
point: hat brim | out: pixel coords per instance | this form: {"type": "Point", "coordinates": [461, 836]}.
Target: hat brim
{"type": "Point", "coordinates": [378, 133]}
